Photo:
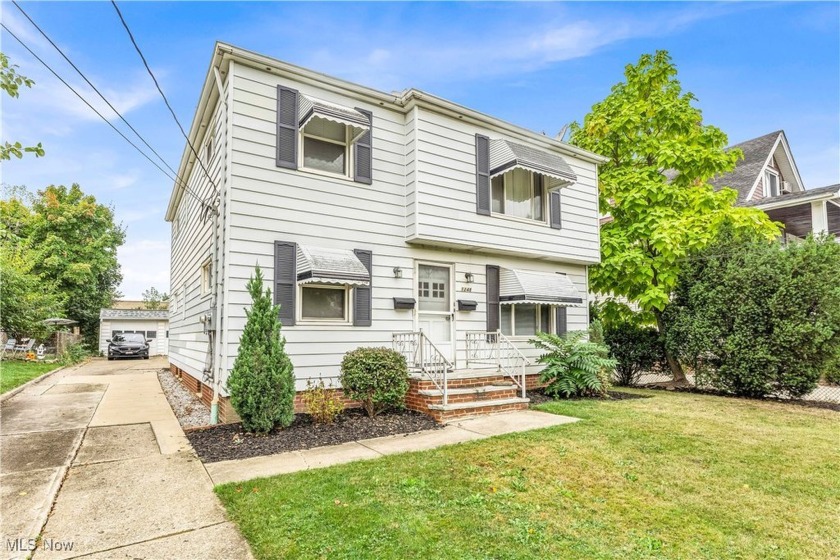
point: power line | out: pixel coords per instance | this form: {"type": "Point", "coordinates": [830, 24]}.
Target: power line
{"type": "Point", "coordinates": [76, 68]}
{"type": "Point", "coordinates": [165, 100]}
{"type": "Point", "coordinates": [92, 108]}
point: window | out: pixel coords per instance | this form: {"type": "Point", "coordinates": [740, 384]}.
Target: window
{"type": "Point", "coordinates": [325, 303]}
{"type": "Point", "coordinates": [206, 277]}
{"type": "Point", "coordinates": [526, 319]}
{"type": "Point", "coordinates": [325, 146]}
{"type": "Point", "coordinates": [771, 183]}
{"type": "Point", "coordinates": [208, 148]}
{"type": "Point", "coordinates": [519, 193]}
{"type": "Point", "coordinates": [151, 334]}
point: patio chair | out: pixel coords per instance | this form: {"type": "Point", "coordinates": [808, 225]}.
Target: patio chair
{"type": "Point", "coordinates": [9, 347]}
{"type": "Point", "coordinates": [23, 348]}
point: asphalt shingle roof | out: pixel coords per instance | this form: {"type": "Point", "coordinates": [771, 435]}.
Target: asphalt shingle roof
{"type": "Point", "coordinates": [743, 177]}
{"type": "Point", "coordinates": [148, 314]}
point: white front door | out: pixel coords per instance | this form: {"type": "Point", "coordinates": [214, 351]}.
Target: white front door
{"type": "Point", "coordinates": [434, 306]}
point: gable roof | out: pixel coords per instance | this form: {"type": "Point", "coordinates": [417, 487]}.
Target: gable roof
{"type": "Point", "coordinates": [757, 153]}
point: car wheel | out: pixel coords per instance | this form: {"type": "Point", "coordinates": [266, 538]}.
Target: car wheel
{"type": "Point", "coordinates": [146, 357]}
{"type": "Point", "coordinates": [110, 358]}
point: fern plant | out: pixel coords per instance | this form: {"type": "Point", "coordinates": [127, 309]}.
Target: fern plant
{"type": "Point", "coordinates": [574, 366]}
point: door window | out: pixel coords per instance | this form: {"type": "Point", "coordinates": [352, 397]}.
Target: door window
{"type": "Point", "coordinates": [433, 292]}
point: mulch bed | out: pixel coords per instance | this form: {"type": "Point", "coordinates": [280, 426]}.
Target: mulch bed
{"type": "Point", "coordinates": [230, 441]}
{"type": "Point", "coordinates": [538, 396]}
{"type": "Point", "coordinates": [716, 393]}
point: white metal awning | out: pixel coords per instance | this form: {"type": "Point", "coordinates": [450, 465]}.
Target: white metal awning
{"type": "Point", "coordinates": [320, 265]}
{"type": "Point", "coordinates": [505, 156]}
{"type": "Point", "coordinates": [546, 288]}
{"type": "Point", "coordinates": [311, 107]}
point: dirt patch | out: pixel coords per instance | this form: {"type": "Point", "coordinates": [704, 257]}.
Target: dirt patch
{"type": "Point", "coordinates": [230, 441]}
{"type": "Point", "coordinates": [538, 396]}
{"type": "Point", "coordinates": [798, 402]}
{"type": "Point", "coordinates": [190, 411]}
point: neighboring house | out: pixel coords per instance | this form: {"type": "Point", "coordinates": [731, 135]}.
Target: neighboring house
{"type": "Point", "coordinates": [767, 178]}
{"type": "Point", "coordinates": [400, 220]}
{"type": "Point", "coordinates": [153, 323]}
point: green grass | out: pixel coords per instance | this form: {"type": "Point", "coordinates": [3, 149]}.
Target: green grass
{"type": "Point", "coordinates": [15, 373]}
{"type": "Point", "coordinates": [673, 476]}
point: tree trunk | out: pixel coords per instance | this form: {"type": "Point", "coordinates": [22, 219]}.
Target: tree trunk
{"type": "Point", "coordinates": [673, 363]}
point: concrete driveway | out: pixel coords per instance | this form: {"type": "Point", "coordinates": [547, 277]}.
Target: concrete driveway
{"type": "Point", "coordinates": [93, 461]}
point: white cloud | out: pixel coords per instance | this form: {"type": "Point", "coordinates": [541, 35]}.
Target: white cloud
{"type": "Point", "coordinates": [495, 50]}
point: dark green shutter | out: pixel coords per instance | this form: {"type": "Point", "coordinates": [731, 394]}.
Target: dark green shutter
{"type": "Point", "coordinates": [554, 216]}
{"type": "Point", "coordinates": [362, 295]}
{"type": "Point", "coordinates": [492, 281]}
{"type": "Point", "coordinates": [562, 326]}
{"type": "Point", "coordinates": [285, 280]}
{"type": "Point", "coordinates": [363, 168]}
{"type": "Point", "coordinates": [287, 127]}
{"type": "Point", "coordinates": [482, 175]}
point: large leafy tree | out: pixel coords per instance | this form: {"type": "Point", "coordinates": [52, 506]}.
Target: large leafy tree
{"type": "Point", "coordinates": [11, 82]}
{"type": "Point", "coordinates": [70, 243]}
{"type": "Point", "coordinates": [655, 186]}
{"type": "Point", "coordinates": [26, 299]}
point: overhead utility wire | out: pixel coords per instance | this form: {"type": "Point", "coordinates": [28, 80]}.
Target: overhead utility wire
{"type": "Point", "coordinates": [76, 68]}
{"type": "Point", "coordinates": [165, 100]}
{"type": "Point", "coordinates": [92, 108]}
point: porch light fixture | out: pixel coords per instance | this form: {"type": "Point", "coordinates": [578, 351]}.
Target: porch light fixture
{"type": "Point", "coordinates": [397, 272]}
{"type": "Point", "coordinates": [469, 277]}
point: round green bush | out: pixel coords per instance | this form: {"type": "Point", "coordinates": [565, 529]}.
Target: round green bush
{"type": "Point", "coordinates": [376, 377]}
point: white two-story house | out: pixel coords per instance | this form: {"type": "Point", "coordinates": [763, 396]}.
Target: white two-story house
{"type": "Point", "coordinates": [399, 220]}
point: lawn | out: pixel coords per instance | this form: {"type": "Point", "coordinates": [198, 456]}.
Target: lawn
{"type": "Point", "coordinates": [14, 373]}
{"type": "Point", "coordinates": [672, 476]}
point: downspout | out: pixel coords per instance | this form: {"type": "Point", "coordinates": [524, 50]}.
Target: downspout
{"type": "Point", "coordinates": [214, 297]}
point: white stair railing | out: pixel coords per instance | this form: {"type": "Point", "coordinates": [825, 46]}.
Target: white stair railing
{"type": "Point", "coordinates": [495, 349]}
{"type": "Point", "coordinates": [424, 357]}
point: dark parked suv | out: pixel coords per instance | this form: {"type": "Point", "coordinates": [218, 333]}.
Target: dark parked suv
{"type": "Point", "coordinates": [128, 345]}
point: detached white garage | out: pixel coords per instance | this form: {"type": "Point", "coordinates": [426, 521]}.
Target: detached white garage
{"type": "Point", "coordinates": [154, 324]}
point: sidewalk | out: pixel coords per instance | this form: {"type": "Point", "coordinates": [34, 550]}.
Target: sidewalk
{"type": "Point", "coordinates": [94, 460]}
{"type": "Point", "coordinates": [457, 431]}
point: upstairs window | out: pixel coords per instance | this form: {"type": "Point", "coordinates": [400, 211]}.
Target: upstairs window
{"type": "Point", "coordinates": [206, 277]}
{"type": "Point", "coordinates": [326, 146]}
{"type": "Point", "coordinates": [771, 183]}
{"type": "Point", "coordinates": [519, 193]}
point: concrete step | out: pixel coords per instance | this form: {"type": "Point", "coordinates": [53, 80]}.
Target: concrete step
{"type": "Point", "coordinates": [468, 390]}
{"type": "Point", "coordinates": [478, 404]}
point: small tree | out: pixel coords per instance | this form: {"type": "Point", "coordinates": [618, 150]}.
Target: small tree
{"type": "Point", "coordinates": [153, 299]}
{"type": "Point", "coordinates": [262, 383]}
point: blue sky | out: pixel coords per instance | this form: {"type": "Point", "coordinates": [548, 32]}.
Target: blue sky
{"type": "Point", "coordinates": [755, 68]}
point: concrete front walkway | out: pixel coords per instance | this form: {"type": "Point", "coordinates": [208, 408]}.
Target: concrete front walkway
{"type": "Point", "coordinates": [457, 431]}
{"type": "Point", "coordinates": [94, 461]}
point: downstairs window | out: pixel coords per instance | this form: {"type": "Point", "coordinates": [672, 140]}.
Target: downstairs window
{"type": "Point", "coordinates": [526, 319]}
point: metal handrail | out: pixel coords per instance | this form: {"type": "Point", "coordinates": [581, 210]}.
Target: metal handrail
{"type": "Point", "coordinates": [423, 356]}
{"type": "Point", "coordinates": [494, 348]}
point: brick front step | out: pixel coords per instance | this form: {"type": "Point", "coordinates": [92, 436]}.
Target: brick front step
{"type": "Point", "coordinates": [460, 413]}
{"type": "Point", "coordinates": [478, 404]}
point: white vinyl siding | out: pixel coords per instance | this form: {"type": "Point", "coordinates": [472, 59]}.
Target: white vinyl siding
{"type": "Point", "coordinates": [423, 191]}
{"type": "Point", "coordinates": [444, 208]}
{"type": "Point", "coordinates": [188, 344]}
